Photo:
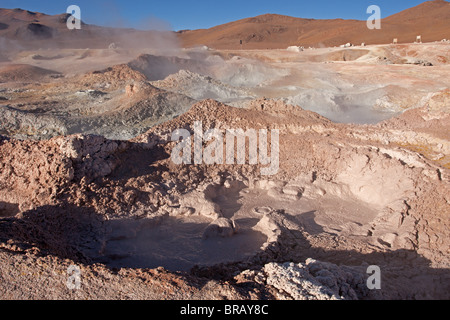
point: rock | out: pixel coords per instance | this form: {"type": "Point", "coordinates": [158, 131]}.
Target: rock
{"type": "Point", "coordinates": [131, 89]}
{"type": "Point", "coordinates": [423, 63]}
{"type": "Point", "coordinates": [221, 227]}
{"type": "Point", "coordinates": [293, 190]}
{"type": "Point", "coordinates": [113, 46]}
{"type": "Point", "coordinates": [315, 280]}
{"type": "Point", "coordinates": [295, 49]}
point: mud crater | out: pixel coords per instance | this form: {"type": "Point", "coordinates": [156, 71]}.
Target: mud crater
{"type": "Point", "coordinates": [177, 244]}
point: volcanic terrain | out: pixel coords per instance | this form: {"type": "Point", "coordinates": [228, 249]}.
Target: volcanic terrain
{"type": "Point", "coordinates": [362, 159]}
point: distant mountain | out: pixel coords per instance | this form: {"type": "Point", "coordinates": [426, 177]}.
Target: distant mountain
{"type": "Point", "coordinates": [23, 29]}
{"type": "Point", "coordinates": [430, 19]}
{"type": "Point", "coordinates": [19, 24]}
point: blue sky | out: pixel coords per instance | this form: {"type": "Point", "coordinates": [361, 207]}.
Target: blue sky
{"type": "Point", "coordinates": [178, 15]}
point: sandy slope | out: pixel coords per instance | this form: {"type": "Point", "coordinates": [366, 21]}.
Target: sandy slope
{"type": "Point", "coordinates": [270, 31]}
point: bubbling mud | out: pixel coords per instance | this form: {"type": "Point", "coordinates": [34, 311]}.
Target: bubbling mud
{"type": "Point", "coordinates": [177, 244]}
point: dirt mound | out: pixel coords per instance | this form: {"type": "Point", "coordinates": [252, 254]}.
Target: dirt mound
{"type": "Point", "coordinates": [24, 73]}
{"type": "Point", "coordinates": [17, 123]}
{"type": "Point", "coordinates": [343, 55]}
{"type": "Point", "coordinates": [425, 128]}
{"type": "Point", "coordinates": [112, 78]}
{"type": "Point", "coordinates": [235, 72]}
{"type": "Point", "coordinates": [141, 106]}
{"type": "Point", "coordinates": [341, 196]}
{"type": "Point", "coordinates": [438, 55]}
{"type": "Point", "coordinates": [51, 166]}
{"type": "Point", "coordinates": [116, 102]}
{"type": "Point", "coordinates": [200, 87]}
{"type": "Point", "coordinates": [123, 113]}
{"type": "Point", "coordinates": [159, 67]}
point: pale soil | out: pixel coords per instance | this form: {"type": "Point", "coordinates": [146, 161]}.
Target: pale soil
{"type": "Point", "coordinates": [346, 196]}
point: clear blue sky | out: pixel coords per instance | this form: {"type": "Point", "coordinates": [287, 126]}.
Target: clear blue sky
{"type": "Point", "coordinates": [188, 14]}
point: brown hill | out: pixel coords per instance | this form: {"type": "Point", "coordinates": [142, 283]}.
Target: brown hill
{"type": "Point", "coordinates": [430, 19]}
{"type": "Point", "coordinates": [19, 24]}
{"type": "Point", "coordinates": [25, 29]}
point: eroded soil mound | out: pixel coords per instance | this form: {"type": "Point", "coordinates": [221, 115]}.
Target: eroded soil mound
{"type": "Point", "coordinates": [344, 197]}
{"type": "Point", "coordinates": [117, 102]}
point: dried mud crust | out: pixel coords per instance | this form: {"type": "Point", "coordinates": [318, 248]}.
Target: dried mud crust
{"type": "Point", "coordinates": [117, 102]}
{"type": "Point", "coordinates": [345, 197]}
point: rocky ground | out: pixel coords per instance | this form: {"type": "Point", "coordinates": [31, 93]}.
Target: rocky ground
{"type": "Point", "coordinates": [346, 196]}
{"type": "Point", "coordinates": [120, 94]}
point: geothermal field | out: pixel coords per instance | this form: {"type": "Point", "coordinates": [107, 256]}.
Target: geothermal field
{"type": "Point", "coordinates": [118, 161]}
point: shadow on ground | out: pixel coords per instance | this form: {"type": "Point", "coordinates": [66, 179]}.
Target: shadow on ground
{"type": "Point", "coordinates": [80, 234]}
